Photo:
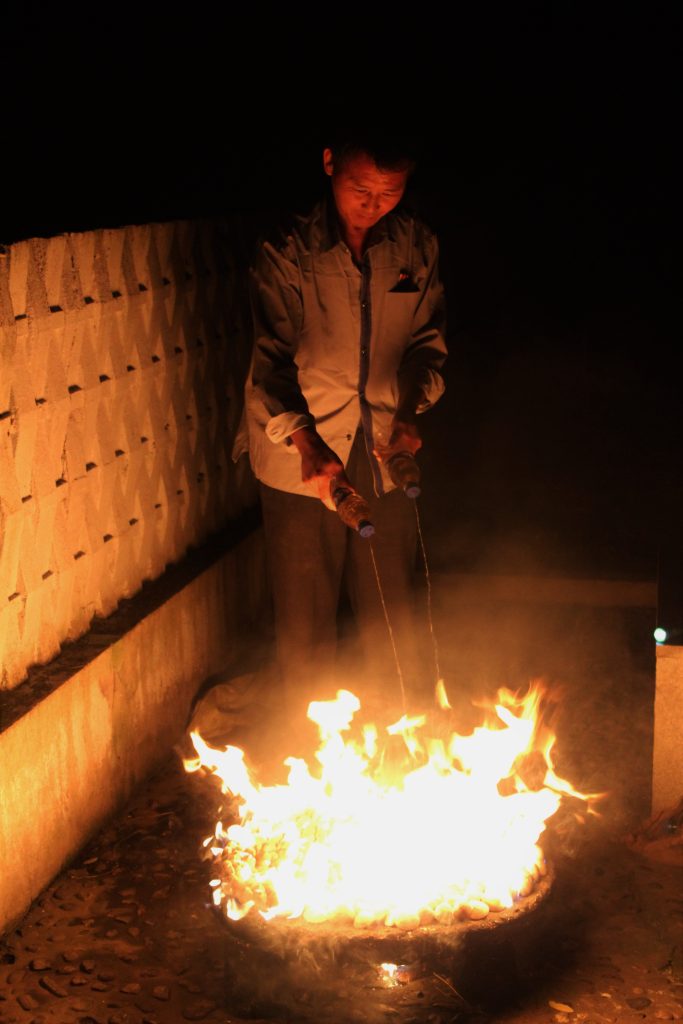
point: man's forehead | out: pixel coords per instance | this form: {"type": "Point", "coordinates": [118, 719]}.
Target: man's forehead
{"type": "Point", "coordinates": [362, 170]}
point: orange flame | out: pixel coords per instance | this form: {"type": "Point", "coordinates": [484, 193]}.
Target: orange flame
{"type": "Point", "coordinates": [453, 834]}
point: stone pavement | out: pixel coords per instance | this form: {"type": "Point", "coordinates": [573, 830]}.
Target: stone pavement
{"type": "Point", "coordinates": [127, 935]}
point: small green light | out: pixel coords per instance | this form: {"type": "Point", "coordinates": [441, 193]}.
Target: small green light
{"type": "Point", "coordinates": [660, 635]}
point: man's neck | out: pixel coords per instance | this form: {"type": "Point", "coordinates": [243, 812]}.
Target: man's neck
{"type": "Point", "coordinates": [356, 239]}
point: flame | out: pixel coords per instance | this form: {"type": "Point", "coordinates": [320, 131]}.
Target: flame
{"type": "Point", "coordinates": [447, 829]}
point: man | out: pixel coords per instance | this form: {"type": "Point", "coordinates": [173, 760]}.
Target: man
{"type": "Point", "coordinates": [349, 342]}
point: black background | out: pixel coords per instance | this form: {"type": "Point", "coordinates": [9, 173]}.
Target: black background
{"type": "Point", "coordinates": [549, 135]}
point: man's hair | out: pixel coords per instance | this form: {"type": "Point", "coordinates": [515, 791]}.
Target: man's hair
{"type": "Point", "coordinates": [389, 152]}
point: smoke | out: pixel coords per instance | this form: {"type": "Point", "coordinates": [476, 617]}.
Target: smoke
{"type": "Point", "coordinates": [540, 479]}
{"type": "Point", "coordinates": [597, 663]}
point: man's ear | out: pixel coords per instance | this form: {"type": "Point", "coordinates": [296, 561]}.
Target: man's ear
{"type": "Point", "coordinates": [328, 162]}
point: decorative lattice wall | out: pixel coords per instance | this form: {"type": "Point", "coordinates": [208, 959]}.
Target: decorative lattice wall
{"type": "Point", "coordinates": [122, 354]}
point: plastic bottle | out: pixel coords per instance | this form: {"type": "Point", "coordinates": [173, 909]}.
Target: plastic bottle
{"type": "Point", "coordinates": [352, 508]}
{"type": "Point", "coordinates": [405, 473]}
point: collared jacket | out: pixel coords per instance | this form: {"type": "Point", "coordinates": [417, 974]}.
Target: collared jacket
{"type": "Point", "coordinates": [335, 341]}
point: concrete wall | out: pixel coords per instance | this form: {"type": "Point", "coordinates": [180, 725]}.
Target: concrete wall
{"type": "Point", "coordinates": [473, 588]}
{"type": "Point", "coordinates": [121, 359]}
{"type": "Point", "coordinates": [122, 355]}
{"type": "Point", "coordinates": [73, 755]}
{"type": "Point", "coordinates": [667, 769]}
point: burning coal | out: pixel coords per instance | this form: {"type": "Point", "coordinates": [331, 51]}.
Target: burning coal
{"type": "Point", "coordinates": [448, 828]}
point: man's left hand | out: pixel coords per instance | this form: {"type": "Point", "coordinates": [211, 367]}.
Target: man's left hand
{"type": "Point", "coordinates": [404, 437]}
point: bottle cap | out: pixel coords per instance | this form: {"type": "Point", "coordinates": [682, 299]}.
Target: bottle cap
{"type": "Point", "coordinates": [366, 529]}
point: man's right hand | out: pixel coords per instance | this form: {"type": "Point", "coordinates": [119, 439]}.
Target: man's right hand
{"type": "Point", "coordinates": [319, 464]}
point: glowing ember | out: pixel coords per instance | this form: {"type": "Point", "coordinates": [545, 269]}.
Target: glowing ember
{"type": "Point", "coordinates": [447, 829]}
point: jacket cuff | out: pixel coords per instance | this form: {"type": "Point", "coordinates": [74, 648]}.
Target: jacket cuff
{"type": "Point", "coordinates": [279, 428]}
{"type": "Point", "coordinates": [433, 387]}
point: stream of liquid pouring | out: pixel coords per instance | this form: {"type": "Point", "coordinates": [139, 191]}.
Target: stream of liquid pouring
{"type": "Point", "coordinates": [435, 646]}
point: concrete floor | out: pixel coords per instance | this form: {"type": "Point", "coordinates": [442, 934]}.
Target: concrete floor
{"type": "Point", "coordinates": [127, 935]}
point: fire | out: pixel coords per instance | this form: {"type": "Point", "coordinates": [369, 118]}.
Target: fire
{"type": "Point", "coordinates": [448, 829]}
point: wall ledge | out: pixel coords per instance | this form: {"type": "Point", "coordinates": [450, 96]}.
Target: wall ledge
{"type": "Point", "coordinates": [87, 728]}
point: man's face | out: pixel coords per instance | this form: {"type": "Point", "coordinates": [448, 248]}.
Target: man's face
{"type": "Point", "coordinates": [362, 192]}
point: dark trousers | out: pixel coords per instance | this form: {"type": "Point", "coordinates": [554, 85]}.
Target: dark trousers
{"type": "Point", "coordinates": [311, 556]}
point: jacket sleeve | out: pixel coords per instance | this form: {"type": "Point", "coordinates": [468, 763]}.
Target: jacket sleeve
{"type": "Point", "coordinates": [426, 351]}
{"type": "Point", "coordinates": [277, 317]}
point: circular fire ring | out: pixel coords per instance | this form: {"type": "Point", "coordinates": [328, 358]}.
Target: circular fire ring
{"type": "Point", "coordinates": [288, 937]}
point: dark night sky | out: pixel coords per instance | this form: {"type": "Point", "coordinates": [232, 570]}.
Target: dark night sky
{"type": "Point", "coordinates": [548, 171]}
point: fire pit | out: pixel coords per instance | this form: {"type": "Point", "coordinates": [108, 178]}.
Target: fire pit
{"type": "Point", "coordinates": [396, 857]}
{"type": "Point", "coordinates": [329, 972]}
{"type": "Point", "coordinates": [442, 837]}
{"type": "Point", "coordinates": [380, 943]}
